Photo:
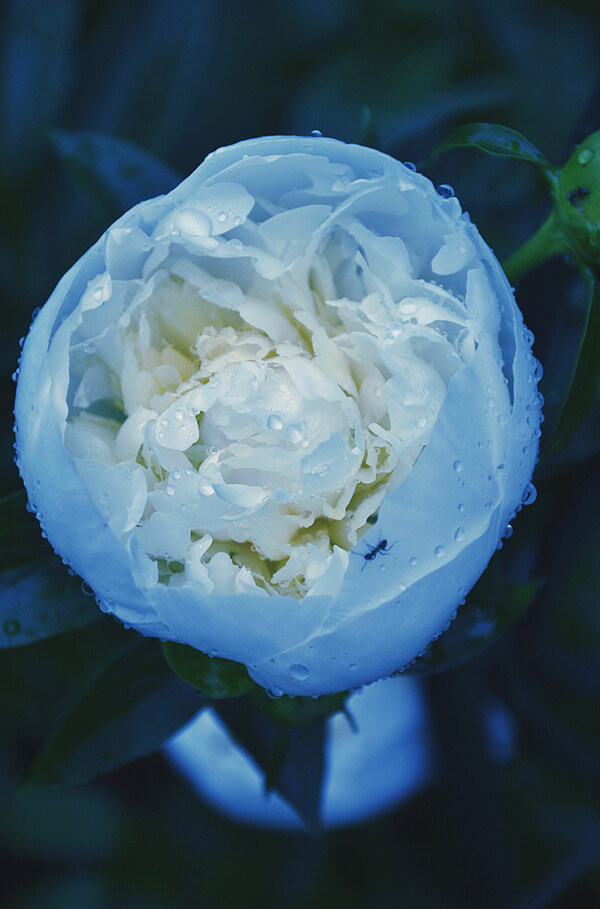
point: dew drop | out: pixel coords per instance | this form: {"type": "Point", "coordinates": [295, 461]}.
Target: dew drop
{"type": "Point", "coordinates": [294, 433]}
{"type": "Point", "coordinates": [170, 490]}
{"type": "Point", "coordinates": [221, 216]}
{"type": "Point", "coordinates": [445, 191]}
{"type": "Point", "coordinates": [529, 495]}
{"type": "Point", "coordinates": [11, 627]}
{"type": "Point", "coordinates": [274, 422]}
{"type": "Point", "coordinates": [439, 551]}
{"type": "Point", "coordinates": [585, 156]}
{"type": "Point", "coordinates": [205, 487]}
{"type": "Point", "coordinates": [508, 532]}
{"type": "Point", "coordinates": [86, 589]}
{"type": "Point", "coordinates": [408, 309]}
{"type": "Point", "coordinates": [299, 672]}
{"type": "Point", "coordinates": [413, 560]}
{"type": "Point", "coordinates": [458, 466]}
{"type": "Point", "coordinates": [459, 534]}
{"type": "Point", "coordinates": [315, 133]}
{"type": "Point", "coordinates": [394, 330]}
{"type": "Point", "coordinates": [410, 165]}
{"type": "Point", "coordinates": [352, 667]}
{"type": "Point", "coordinates": [274, 693]}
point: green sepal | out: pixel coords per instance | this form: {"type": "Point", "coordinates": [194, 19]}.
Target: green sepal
{"type": "Point", "coordinates": [38, 596]}
{"type": "Point", "coordinates": [127, 712]}
{"type": "Point", "coordinates": [491, 609]}
{"type": "Point", "coordinates": [498, 140]}
{"type": "Point", "coordinates": [292, 758]}
{"type": "Point", "coordinates": [212, 676]}
{"type": "Point", "coordinates": [586, 373]}
{"type": "Point", "coordinates": [298, 711]}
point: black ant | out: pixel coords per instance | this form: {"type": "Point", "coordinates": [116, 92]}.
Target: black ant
{"type": "Point", "coordinates": [382, 547]}
{"type": "Point", "coordinates": [574, 195]}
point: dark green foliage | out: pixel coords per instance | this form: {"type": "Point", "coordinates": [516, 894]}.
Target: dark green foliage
{"type": "Point", "coordinates": [38, 597]}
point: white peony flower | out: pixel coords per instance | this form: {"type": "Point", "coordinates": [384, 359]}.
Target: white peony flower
{"type": "Point", "coordinates": [284, 413]}
{"type": "Point", "coordinates": [369, 769]}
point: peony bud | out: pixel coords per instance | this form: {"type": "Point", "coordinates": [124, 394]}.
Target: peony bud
{"type": "Point", "coordinates": [284, 413]}
{"type": "Point", "coordinates": [385, 759]}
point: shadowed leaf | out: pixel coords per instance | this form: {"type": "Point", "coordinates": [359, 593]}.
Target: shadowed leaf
{"type": "Point", "coordinates": [38, 596]}
{"type": "Point", "coordinates": [128, 712]}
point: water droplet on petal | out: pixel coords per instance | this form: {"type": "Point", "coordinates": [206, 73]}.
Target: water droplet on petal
{"type": "Point", "coordinates": [408, 308]}
{"type": "Point", "coordinates": [459, 534]}
{"type": "Point", "coordinates": [294, 433]}
{"type": "Point", "coordinates": [205, 487]}
{"type": "Point", "coordinates": [458, 466]}
{"type": "Point", "coordinates": [410, 165]}
{"type": "Point", "coordinates": [274, 422]}
{"type": "Point", "coordinates": [394, 330]}
{"type": "Point", "coordinates": [439, 551]}
{"type": "Point", "coordinates": [529, 495]}
{"type": "Point", "coordinates": [315, 133]}
{"type": "Point", "coordinates": [445, 191]}
{"type": "Point", "coordinates": [299, 672]}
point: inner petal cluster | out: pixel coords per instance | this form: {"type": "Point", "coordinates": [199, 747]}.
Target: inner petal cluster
{"type": "Point", "coordinates": [240, 427]}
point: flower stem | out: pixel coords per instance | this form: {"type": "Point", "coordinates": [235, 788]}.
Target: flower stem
{"type": "Point", "coordinates": [548, 241]}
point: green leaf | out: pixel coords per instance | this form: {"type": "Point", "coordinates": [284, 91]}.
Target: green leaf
{"type": "Point", "coordinates": [129, 711]}
{"type": "Point", "coordinates": [113, 172]}
{"type": "Point", "coordinates": [492, 607]}
{"type": "Point", "coordinates": [291, 757]}
{"type": "Point", "coordinates": [38, 596]}
{"type": "Point", "coordinates": [214, 677]}
{"type": "Point", "coordinates": [584, 381]}
{"type": "Point", "coordinates": [37, 44]}
{"type": "Point", "coordinates": [498, 140]}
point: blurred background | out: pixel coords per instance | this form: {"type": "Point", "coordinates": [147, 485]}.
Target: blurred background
{"type": "Point", "coordinates": [512, 815]}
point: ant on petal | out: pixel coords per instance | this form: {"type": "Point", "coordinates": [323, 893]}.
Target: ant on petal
{"type": "Point", "coordinates": [382, 547]}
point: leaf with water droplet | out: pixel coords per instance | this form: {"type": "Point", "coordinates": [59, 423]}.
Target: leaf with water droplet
{"type": "Point", "coordinates": [497, 140]}
{"type": "Point", "coordinates": [213, 676]}
{"type": "Point", "coordinates": [127, 712]}
{"type": "Point", "coordinates": [38, 597]}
